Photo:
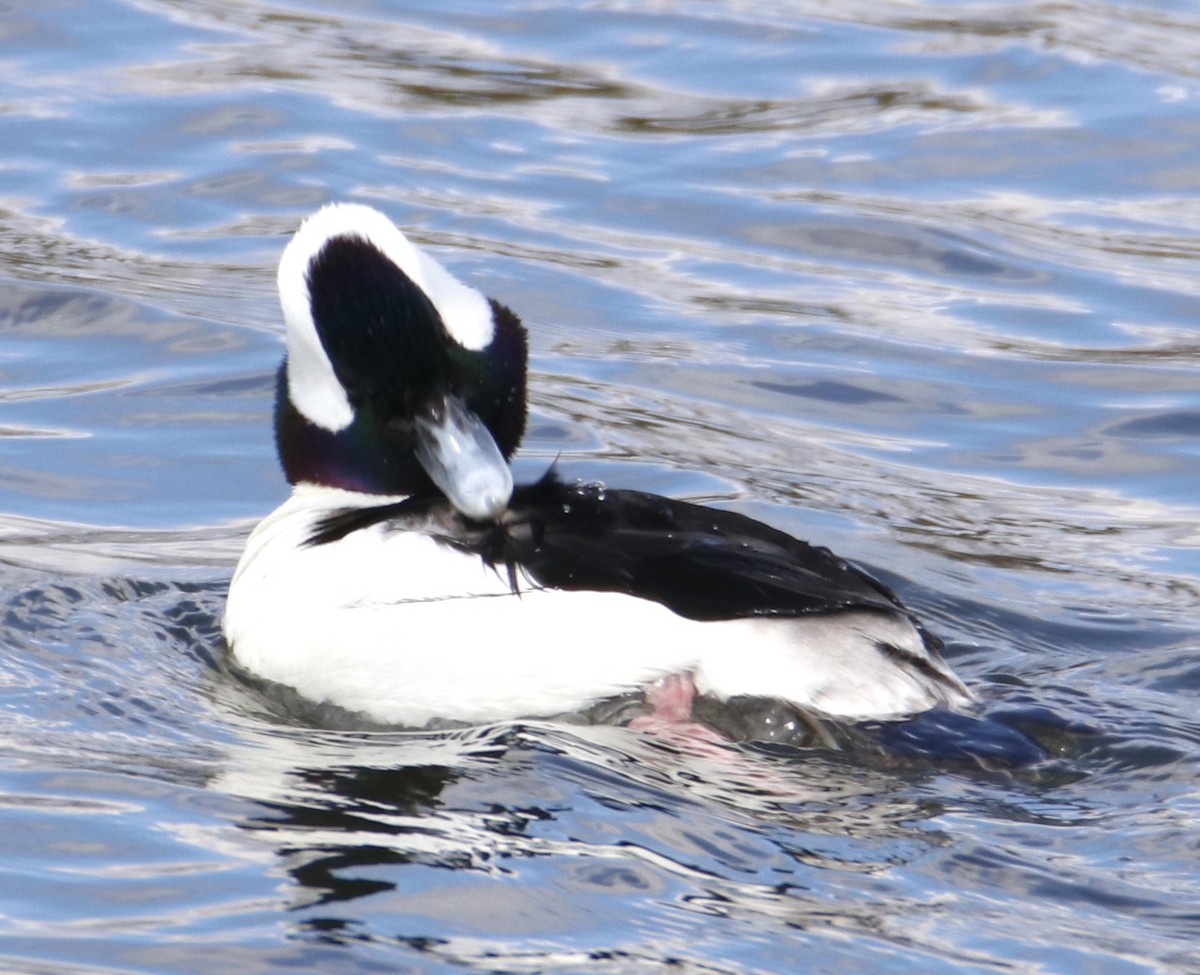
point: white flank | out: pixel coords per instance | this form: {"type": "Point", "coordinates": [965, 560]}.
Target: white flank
{"type": "Point", "coordinates": [404, 629]}
{"type": "Point", "coordinates": [312, 384]}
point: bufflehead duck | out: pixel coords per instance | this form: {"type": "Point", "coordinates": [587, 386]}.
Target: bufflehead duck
{"type": "Point", "coordinates": [407, 579]}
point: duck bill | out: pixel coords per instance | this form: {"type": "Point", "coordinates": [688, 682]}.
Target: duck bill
{"type": "Point", "coordinates": [461, 457]}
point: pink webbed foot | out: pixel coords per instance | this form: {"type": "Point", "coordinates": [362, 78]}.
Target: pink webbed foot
{"type": "Point", "coordinates": [668, 714]}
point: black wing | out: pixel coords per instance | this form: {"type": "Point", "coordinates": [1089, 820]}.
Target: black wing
{"type": "Point", "coordinates": [701, 563]}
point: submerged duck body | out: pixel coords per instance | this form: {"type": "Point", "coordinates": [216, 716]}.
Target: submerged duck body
{"type": "Point", "coordinates": [406, 577]}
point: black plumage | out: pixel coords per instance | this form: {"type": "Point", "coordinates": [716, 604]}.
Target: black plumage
{"type": "Point", "coordinates": [701, 563]}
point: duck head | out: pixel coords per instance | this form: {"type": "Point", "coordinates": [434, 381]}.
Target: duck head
{"type": "Point", "coordinates": [398, 377]}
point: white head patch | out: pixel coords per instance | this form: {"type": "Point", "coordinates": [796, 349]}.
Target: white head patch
{"type": "Point", "coordinates": [312, 384]}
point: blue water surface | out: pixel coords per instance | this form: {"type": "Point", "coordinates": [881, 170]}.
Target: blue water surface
{"type": "Point", "coordinates": [914, 280]}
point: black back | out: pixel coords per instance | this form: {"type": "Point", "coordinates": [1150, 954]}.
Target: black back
{"type": "Point", "coordinates": [701, 563]}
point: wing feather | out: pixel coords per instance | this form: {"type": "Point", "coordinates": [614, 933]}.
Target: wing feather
{"type": "Point", "coordinates": [702, 563]}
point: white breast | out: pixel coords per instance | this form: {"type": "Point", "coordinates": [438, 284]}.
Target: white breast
{"type": "Point", "coordinates": [404, 629]}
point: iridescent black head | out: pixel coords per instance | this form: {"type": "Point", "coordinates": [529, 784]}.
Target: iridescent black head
{"type": "Point", "coordinates": [398, 377]}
